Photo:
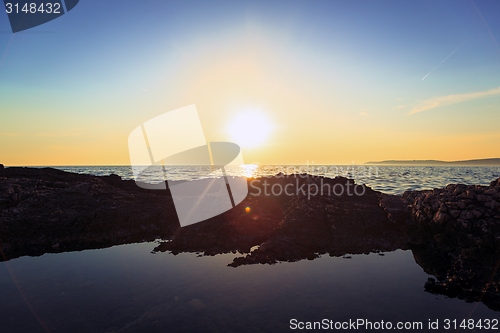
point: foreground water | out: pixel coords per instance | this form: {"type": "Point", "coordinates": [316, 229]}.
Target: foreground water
{"type": "Point", "coordinates": [387, 179]}
{"type": "Point", "coordinates": [127, 288]}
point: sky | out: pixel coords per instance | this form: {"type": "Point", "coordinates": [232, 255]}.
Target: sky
{"type": "Point", "coordinates": [329, 82]}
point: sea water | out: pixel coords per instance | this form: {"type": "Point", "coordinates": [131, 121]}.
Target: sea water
{"type": "Point", "coordinates": [387, 179]}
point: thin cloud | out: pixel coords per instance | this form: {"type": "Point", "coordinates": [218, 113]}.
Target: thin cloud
{"type": "Point", "coordinates": [452, 99]}
{"type": "Point", "coordinates": [400, 107]}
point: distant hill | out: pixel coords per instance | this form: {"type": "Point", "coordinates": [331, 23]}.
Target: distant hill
{"type": "Point", "coordinates": [479, 162]}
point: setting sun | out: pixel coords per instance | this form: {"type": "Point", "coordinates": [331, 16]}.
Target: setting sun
{"type": "Point", "coordinates": [250, 129]}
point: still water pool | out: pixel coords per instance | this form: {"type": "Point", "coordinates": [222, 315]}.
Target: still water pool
{"type": "Point", "coordinates": [127, 288]}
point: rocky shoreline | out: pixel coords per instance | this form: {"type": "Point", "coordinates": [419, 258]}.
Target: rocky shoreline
{"type": "Point", "coordinates": [455, 235]}
{"type": "Point", "coordinates": [454, 232]}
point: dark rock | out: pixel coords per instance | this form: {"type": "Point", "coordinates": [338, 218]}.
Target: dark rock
{"type": "Point", "coordinates": [464, 252]}
{"type": "Point", "coordinates": [454, 233]}
{"type": "Point", "coordinates": [468, 194]}
{"type": "Point", "coordinates": [476, 213]}
{"type": "Point", "coordinates": [491, 191]}
{"type": "Point", "coordinates": [334, 225]}
{"type": "Point", "coordinates": [484, 198]}
{"type": "Point", "coordinates": [43, 207]}
{"type": "Point", "coordinates": [440, 217]}
{"type": "Point", "coordinates": [291, 228]}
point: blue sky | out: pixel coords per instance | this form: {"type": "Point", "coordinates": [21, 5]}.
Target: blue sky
{"type": "Point", "coordinates": [340, 80]}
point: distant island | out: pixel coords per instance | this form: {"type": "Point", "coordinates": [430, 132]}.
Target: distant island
{"type": "Point", "coordinates": [478, 162]}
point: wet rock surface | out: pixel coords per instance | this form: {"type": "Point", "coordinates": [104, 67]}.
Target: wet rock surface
{"type": "Point", "coordinates": [455, 235]}
{"type": "Point", "coordinates": [48, 210]}
{"type": "Point", "coordinates": [332, 224]}
{"type": "Point", "coordinates": [454, 232]}
{"type": "Point", "coordinates": [295, 227]}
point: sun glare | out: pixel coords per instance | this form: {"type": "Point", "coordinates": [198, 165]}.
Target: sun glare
{"type": "Point", "coordinates": [250, 129]}
{"type": "Point", "coordinates": [249, 170]}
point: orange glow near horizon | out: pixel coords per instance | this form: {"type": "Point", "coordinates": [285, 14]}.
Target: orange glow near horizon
{"type": "Point", "coordinates": [283, 100]}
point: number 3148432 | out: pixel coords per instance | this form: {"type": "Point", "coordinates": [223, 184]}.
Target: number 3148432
{"type": "Point", "coordinates": [33, 8]}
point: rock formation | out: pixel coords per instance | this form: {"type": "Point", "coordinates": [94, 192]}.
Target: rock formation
{"type": "Point", "coordinates": [455, 235]}
{"type": "Point", "coordinates": [454, 232]}
{"type": "Point", "coordinates": [40, 208]}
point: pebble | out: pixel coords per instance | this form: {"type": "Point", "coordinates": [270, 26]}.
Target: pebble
{"type": "Point", "coordinates": [196, 304]}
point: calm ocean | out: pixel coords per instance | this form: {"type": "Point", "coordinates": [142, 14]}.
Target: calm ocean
{"type": "Point", "coordinates": [387, 179]}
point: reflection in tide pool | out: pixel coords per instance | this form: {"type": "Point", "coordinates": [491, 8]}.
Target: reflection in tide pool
{"type": "Point", "coordinates": [128, 289]}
